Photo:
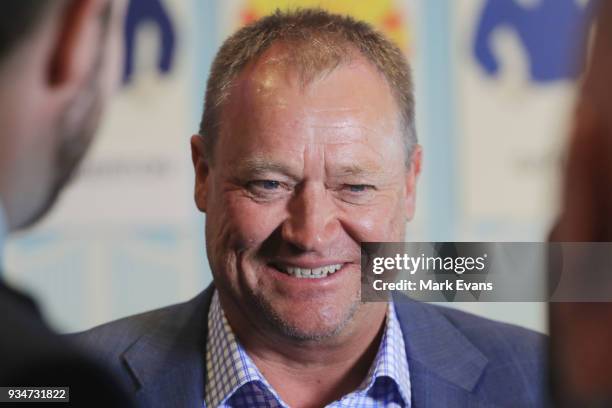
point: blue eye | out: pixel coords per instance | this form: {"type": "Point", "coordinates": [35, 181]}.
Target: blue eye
{"type": "Point", "coordinates": [263, 185]}
{"type": "Point", "coordinates": [357, 188]}
{"type": "Point", "coordinates": [269, 184]}
{"type": "Point", "coordinates": [357, 193]}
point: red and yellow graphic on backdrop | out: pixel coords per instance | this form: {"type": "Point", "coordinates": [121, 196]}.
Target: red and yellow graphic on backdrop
{"type": "Point", "coordinates": [385, 15]}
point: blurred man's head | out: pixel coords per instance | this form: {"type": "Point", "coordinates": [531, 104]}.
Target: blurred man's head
{"type": "Point", "coordinates": [307, 148]}
{"type": "Point", "coordinates": [581, 332]}
{"type": "Point", "coordinates": [58, 64]}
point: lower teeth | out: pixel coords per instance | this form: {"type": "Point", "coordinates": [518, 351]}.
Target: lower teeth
{"type": "Point", "coordinates": [310, 276]}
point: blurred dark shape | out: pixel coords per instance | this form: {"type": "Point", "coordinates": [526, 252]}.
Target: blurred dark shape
{"type": "Point", "coordinates": [549, 32]}
{"type": "Point", "coordinates": [17, 21]}
{"type": "Point", "coordinates": [58, 62]}
{"type": "Point", "coordinates": [143, 12]}
{"type": "Point", "coordinates": [581, 333]}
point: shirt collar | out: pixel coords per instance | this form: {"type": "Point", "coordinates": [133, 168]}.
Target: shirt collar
{"type": "Point", "coordinates": [229, 368]}
{"type": "Point", "coordinates": [391, 361]}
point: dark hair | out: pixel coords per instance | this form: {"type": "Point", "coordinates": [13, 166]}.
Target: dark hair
{"type": "Point", "coordinates": [18, 18]}
{"type": "Point", "coordinates": [318, 41]}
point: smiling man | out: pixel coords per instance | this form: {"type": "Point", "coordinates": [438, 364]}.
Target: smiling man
{"type": "Point", "coordinates": [307, 148]}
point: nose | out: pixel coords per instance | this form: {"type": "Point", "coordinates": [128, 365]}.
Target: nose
{"type": "Point", "coordinates": [312, 223]}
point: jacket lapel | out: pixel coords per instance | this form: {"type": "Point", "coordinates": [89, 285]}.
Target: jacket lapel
{"type": "Point", "coordinates": [444, 365]}
{"type": "Point", "coordinates": [168, 362]}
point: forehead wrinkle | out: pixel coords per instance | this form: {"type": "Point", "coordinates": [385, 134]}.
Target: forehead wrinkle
{"type": "Point", "coordinates": [335, 109]}
{"type": "Point", "coordinates": [379, 155]}
{"type": "Point", "coordinates": [344, 123]}
{"type": "Point", "coordinates": [318, 115]}
{"type": "Point", "coordinates": [366, 129]}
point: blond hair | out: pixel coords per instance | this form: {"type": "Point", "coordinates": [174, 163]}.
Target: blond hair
{"type": "Point", "coordinates": [318, 42]}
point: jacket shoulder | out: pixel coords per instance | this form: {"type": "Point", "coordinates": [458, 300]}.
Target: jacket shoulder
{"type": "Point", "coordinates": [499, 342]}
{"type": "Point", "coordinates": [108, 342]}
{"type": "Point", "coordinates": [493, 362]}
{"type": "Point", "coordinates": [517, 358]}
{"type": "Point", "coordinates": [142, 350]}
{"type": "Point", "coordinates": [123, 332]}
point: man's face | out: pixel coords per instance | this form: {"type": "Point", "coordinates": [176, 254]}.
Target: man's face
{"type": "Point", "coordinates": [301, 176]}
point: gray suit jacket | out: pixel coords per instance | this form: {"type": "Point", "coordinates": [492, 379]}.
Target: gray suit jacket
{"type": "Point", "coordinates": [455, 359]}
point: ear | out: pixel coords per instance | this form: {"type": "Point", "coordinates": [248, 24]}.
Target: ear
{"type": "Point", "coordinates": [201, 168]}
{"type": "Point", "coordinates": [77, 44]}
{"type": "Point", "coordinates": [412, 175]}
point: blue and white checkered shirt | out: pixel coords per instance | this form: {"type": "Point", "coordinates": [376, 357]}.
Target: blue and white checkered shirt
{"type": "Point", "coordinates": [233, 380]}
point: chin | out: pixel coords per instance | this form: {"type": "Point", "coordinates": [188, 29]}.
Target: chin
{"type": "Point", "coordinates": [327, 323]}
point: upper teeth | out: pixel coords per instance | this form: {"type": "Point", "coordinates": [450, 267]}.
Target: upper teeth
{"type": "Point", "coordinates": [315, 273]}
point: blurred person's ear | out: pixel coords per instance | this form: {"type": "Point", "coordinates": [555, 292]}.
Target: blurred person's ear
{"type": "Point", "coordinates": [76, 46]}
{"type": "Point", "coordinates": [412, 175]}
{"type": "Point", "coordinates": [201, 167]}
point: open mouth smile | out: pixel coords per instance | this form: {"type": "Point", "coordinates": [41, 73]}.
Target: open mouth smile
{"type": "Point", "coordinates": [306, 273]}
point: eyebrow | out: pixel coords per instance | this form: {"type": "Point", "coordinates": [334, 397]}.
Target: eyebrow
{"type": "Point", "coordinates": [352, 170]}
{"type": "Point", "coordinates": [259, 165]}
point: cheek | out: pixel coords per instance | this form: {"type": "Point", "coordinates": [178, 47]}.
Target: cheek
{"type": "Point", "coordinates": [243, 224]}
{"type": "Point", "coordinates": [384, 222]}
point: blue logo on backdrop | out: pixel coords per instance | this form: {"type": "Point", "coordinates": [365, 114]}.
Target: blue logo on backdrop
{"type": "Point", "coordinates": [550, 33]}
{"type": "Point", "coordinates": [148, 11]}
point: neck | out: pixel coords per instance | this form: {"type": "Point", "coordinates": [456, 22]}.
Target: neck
{"type": "Point", "coordinates": [313, 373]}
